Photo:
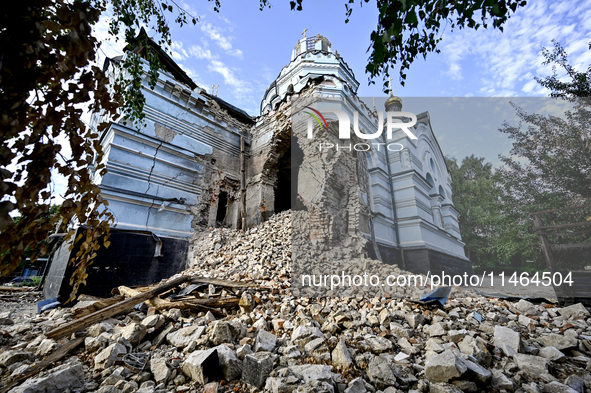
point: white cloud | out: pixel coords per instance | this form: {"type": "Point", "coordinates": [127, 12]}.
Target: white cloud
{"type": "Point", "coordinates": [218, 36]}
{"type": "Point", "coordinates": [510, 59]}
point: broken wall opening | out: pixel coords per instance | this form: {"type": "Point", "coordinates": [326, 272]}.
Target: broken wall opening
{"type": "Point", "coordinates": [283, 189]}
{"type": "Point", "coordinates": [222, 207]}
{"type": "Point", "coordinates": [286, 189]}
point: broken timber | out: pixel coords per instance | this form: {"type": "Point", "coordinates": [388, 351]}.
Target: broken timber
{"type": "Point", "coordinates": [220, 282]}
{"type": "Point", "coordinates": [112, 310]}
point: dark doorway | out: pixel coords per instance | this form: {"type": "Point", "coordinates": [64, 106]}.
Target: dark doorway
{"type": "Point", "coordinates": [283, 189]}
{"type": "Point", "coordinates": [288, 166]}
{"type": "Point", "coordinates": [222, 207]}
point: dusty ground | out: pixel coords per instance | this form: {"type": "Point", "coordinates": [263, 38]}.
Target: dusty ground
{"type": "Point", "coordinates": [20, 303]}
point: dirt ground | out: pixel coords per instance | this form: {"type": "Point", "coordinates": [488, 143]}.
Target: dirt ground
{"type": "Point", "coordinates": [20, 303]}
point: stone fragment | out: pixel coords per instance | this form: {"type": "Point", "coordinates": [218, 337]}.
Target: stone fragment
{"type": "Point", "coordinates": [443, 388]}
{"type": "Point", "coordinates": [474, 347]}
{"type": "Point", "coordinates": [256, 368]}
{"type": "Point", "coordinates": [106, 358]}
{"type": "Point", "coordinates": [356, 386]}
{"type": "Point", "coordinates": [312, 372]}
{"type": "Point", "coordinates": [444, 367]}
{"type": "Point", "coordinates": [302, 335]}
{"type": "Point", "coordinates": [211, 387]}
{"type": "Point", "coordinates": [10, 357]}
{"type": "Point", "coordinates": [557, 387]}
{"type": "Point", "coordinates": [525, 321]}
{"type": "Point", "coordinates": [507, 340]}
{"type": "Point", "coordinates": [341, 357]}
{"type": "Point", "coordinates": [526, 307]}
{"type": "Point", "coordinates": [558, 341]}
{"type": "Point", "coordinates": [246, 303]}
{"type": "Point", "coordinates": [379, 344]}
{"type": "Point", "coordinates": [155, 321]}
{"type": "Point", "coordinates": [46, 347]}
{"type": "Point", "coordinates": [134, 333]}
{"type": "Point", "coordinates": [265, 341]}
{"type": "Point", "coordinates": [437, 330]}
{"type": "Point", "coordinates": [183, 337]}
{"type": "Point", "coordinates": [399, 330]}
{"type": "Point", "coordinates": [501, 382]}
{"type": "Point", "coordinates": [552, 353]}
{"type": "Point", "coordinates": [221, 334]}
{"type": "Point", "coordinates": [433, 344]}
{"type": "Point", "coordinates": [575, 382]}
{"type": "Point", "coordinates": [414, 319]}
{"type": "Point", "coordinates": [160, 370]}
{"type": "Point", "coordinates": [535, 366]}
{"type": "Point", "coordinates": [230, 364]}
{"type": "Point", "coordinates": [476, 372]}
{"type": "Point", "coordinates": [574, 311]}
{"type": "Point", "coordinates": [383, 372]}
{"type": "Point", "coordinates": [202, 366]}
{"type": "Point", "coordinates": [67, 377]}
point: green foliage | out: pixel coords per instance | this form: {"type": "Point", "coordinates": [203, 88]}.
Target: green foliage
{"type": "Point", "coordinates": [476, 197]}
{"type": "Point", "coordinates": [579, 84]}
{"type": "Point", "coordinates": [47, 80]}
{"type": "Point", "coordinates": [550, 162]}
{"type": "Point", "coordinates": [410, 29]}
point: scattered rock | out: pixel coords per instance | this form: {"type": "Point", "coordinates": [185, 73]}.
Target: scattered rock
{"type": "Point", "coordinates": [444, 366]}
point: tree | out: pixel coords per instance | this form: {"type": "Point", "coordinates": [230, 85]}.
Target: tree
{"type": "Point", "coordinates": [476, 197]}
{"type": "Point", "coordinates": [579, 85]}
{"type": "Point", "coordinates": [550, 162]}
{"type": "Point", "coordinates": [48, 79]}
{"type": "Point", "coordinates": [412, 28]}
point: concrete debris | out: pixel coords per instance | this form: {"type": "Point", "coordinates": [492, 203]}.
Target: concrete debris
{"type": "Point", "coordinates": [444, 367]}
{"type": "Point", "coordinates": [507, 340]}
{"type": "Point", "coordinates": [241, 329]}
{"type": "Point", "coordinates": [62, 378]}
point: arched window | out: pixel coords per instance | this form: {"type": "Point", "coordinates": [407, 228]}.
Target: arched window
{"type": "Point", "coordinates": [430, 181]}
{"type": "Point", "coordinates": [441, 192]}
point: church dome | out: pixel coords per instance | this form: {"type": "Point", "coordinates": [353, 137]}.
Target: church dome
{"type": "Point", "coordinates": [311, 58]}
{"type": "Point", "coordinates": [393, 104]}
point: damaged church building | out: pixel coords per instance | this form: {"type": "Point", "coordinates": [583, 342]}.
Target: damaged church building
{"type": "Point", "coordinates": [199, 162]}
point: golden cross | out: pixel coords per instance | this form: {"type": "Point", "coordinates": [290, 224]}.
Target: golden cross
{"type": "Point", "coordinates": [304, 32]}
{"type": "Point", "coordinates": [390, 85]}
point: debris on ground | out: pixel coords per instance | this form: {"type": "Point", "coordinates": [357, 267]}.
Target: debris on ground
{"type": "Point", "coordinates": [230, 324]}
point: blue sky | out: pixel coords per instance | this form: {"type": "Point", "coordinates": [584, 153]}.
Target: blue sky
{"type": "Point", "coordinates": [243, 49]}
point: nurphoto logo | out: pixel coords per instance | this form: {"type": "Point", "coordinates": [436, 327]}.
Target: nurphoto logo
{"type": "Point", "coordinates": [393, 121]}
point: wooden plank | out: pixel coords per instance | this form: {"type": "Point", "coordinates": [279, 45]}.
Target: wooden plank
{"type": "Point", "coordinates": [98, 305]}
{"type": "Point", "coordinates": [545, 244]}
{"type": "Point", "coordinates": [58, 354]}
{"type": "Point", "coordinates": [561, 226]}
{"type": "Point", "coordinates": [113, 310]}
{"type": "Point", "coordinates": [211, 303]}
{"type": "Point", "coordinates": [131, 292]}
{"type": "Point", "coordinates": [221, 283]}
{"type": "Point", "coordinates": [561, 209]}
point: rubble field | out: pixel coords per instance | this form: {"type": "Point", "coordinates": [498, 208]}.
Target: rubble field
{"type": "Point", "coordinates": [235, 326]}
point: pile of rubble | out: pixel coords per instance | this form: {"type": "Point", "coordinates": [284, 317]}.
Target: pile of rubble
{"type": "Point", "coordinates": [234, 325]}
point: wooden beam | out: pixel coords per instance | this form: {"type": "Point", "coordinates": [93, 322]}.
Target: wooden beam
{"type": "Point", "coordinates": [98, 305]}
{"type": "Point", "coordinates": [562, 209]}
{"type": "Point", "coordinates": [561, 226]}
{"type": "Point", "coordinates": [211, 303]}
{"type": "Point", "coordinates": [221, 283]}
{"type": "Point", "coordinates": [546, 249]}
{"type": "Point", "coordinates": [113, 310]}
